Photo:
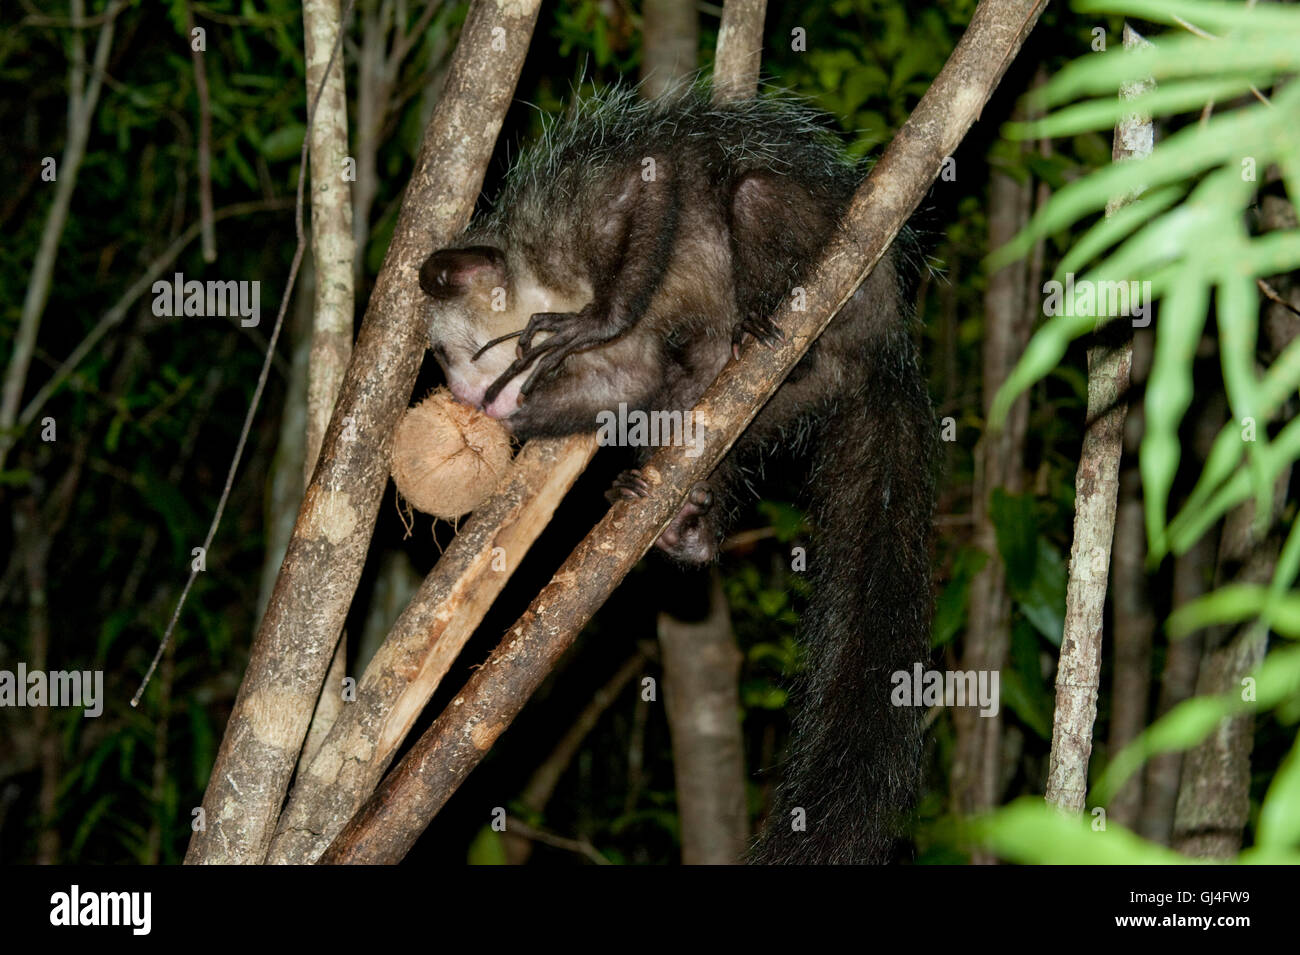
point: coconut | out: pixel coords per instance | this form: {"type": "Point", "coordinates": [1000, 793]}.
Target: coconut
{"type": "Point", "coordinates": [448, 457]}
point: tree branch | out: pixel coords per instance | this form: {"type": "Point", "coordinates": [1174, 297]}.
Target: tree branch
{"type": "Point", "coordinates": [83, 94]}
{"type": "Point", "coordinates": [390, 822]}
{"type": "Point", "coordinates": [428, 636]}
{"type": "Point", "coordinates": [1097, 491]}
{"type": "Point", "coordinates": [331, 538]}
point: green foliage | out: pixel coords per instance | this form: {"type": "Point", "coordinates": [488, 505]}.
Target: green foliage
{"type": "Point", "coordinates": [1186, 232]}
{"type": "Point", "coordinates": [586, 26]}
{"type": "Point", "coordinates": [869, 79]}
{"type": "Point", "coordinates": [1187, 250]}
{"type": "Point", "coordinates": [488, 848]}
{"type": "Point", "coordinates": [1024, 691]}
{"type": "Point", "coordinates": [153, 388]}
{"type": "Point", "coordinates": [951, 606]}
{"type": "Point", "coordinates": [1036, 572]}
{"type": "Point", "coordinates": [1030, 831]}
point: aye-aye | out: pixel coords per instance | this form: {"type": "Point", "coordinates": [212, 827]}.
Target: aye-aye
{"type": "Point", "coordinates": [630, 254]}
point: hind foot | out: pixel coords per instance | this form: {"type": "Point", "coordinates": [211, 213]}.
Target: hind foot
{"type": "Point", "coordinates": [692, 535]}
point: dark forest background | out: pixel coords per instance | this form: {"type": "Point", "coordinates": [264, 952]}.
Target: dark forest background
{"type": "Point", "coordinates": [100, 523]}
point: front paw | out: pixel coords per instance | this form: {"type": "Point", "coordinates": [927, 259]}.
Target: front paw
{"type": "Point", "coordinates": [567, 332]}
{"type": "Point", "coordinates": [628, 486]}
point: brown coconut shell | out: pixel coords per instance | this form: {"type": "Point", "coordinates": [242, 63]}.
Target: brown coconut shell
{"type": "Point", "coordinates": [448, 457]}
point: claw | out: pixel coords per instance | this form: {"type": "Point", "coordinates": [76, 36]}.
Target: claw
{"type": "Point", "coordinates": [758, 327]}
{"type": "Point", "coordinates": [492, 344]}
{"type": "Point", "coordinates": [546, 366]}
{"type": "Point", "coordinates": [551, 322]}
{"type": "Point", "coordinates": [628, 486]}
{"type": "Point", "coordinates": [569, 332]}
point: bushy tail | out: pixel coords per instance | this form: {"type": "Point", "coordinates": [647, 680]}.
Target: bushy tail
{"type": "Point", "coordinates": [855, 759]}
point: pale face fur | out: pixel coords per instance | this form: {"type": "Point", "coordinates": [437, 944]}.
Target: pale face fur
{"type": "Point", "coordinates": [459, 328]}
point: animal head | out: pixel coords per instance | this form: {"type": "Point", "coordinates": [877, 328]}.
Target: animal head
{"type": "Point", "coordinates": [480, 299]}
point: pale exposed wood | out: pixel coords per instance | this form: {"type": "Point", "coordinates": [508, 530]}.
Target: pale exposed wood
{"type": "Point", "coordinates": [424, 642]}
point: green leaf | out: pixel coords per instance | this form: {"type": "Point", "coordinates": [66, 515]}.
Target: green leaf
{"type": "Point", "coordinates": [788, 522]}
{"type": "Point", "coordinates": [1017, 535]}
{"type": "Point", "coordinates": [488, 848]}
{"type": "Point", "coordinates": [1169, 394]}
{"type": "Point", "coordinates": [950, 608]}
{"type": "Point", "coordinates": [1028, 696]}
{"type": "Point", "coordinates": [1209, 15]}
{"type": "Point", "coordinates": [1180, 729]}
{"type": "Point", "coordinates": [1229, 604]}
{"type": "Point", "coordinates": [1023, 702]}
{"type": "Point", "coordinates": [1275, 680]}
{"type": "Point", "coordinates": [1113, 229]}
{"type": "Point", "coordinates": [1030, 831]}
{"type": "Point", "coordinates": [1043, 601]}
{"type": "Point", "coordinates": [284, 143]}
{"type": "Point", "coordinates": [1177, 97]}
{"type": "Point", "coordinates": [1279, 816]}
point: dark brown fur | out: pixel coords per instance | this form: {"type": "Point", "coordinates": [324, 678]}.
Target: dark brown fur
{"type": "Point", "coordinates": [632, 250]}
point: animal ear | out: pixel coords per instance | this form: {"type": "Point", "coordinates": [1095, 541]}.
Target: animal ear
{"type": "Point", "coordinates": [450, 273]}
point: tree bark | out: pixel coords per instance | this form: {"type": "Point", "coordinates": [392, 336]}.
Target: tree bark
{"type": "Point", "coordinates": [977, 762]}
{"type": "Point", "coordinates": [1096, 494]}
{"type": "Point", "coordinates": [390, 822]}
{"type": "Point", "coordinates": [740, 49]}
{"type": "Point", "coordinates": [1214, 796]}
{"type": "Point", "coordinates": [333, 252]}
{"type": "Point", "coordinates": [670, 34]}
{"type": "Point", "coordinates": [706, 734]}
{"type": "Point", "coordinates": [424, 642]}
{"type": "Point", "coordinates": [294, 643]}
{"type": "Point", "coordinates": [702, 697]}
{"type": "Point", "coordinates": [1214, 793]}
{"type": "Point", "coordinates": [332, 247]}
{"type": "Point", "coordinates": [1133, 620]}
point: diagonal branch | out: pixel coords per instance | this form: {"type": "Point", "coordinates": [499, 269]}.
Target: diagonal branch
{"type": "Point", "coordinates": [332, 535]}
{"type": "Point", "coordinates": [427, 637]}
{"type": "Point", "coordinates": [391, 821]}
